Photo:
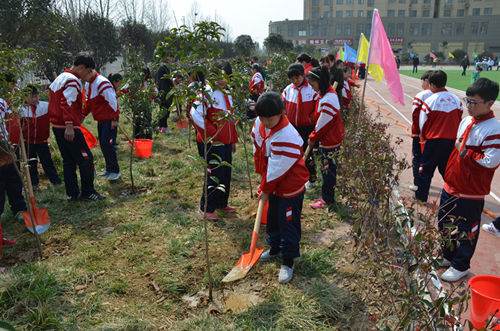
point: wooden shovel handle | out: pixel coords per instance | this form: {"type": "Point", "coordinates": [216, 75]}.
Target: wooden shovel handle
{"type": "Point", "coordinates": [308, 151]}
{"type": "Point", "coordinates": [258, 220]}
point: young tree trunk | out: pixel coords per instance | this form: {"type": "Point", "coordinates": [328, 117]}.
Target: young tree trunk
{"type": "Point", "coordinates": [247, 162]}
{"type": "Point", "coordinates": [131, 156]}
{"type": "Point", "coordinates": [205, 220]}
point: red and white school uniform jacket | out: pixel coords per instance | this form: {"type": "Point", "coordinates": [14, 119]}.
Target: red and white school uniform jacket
{"type": "Point", "coordinates": [10, 122]}
{"type": "Point", "coordinates": [300, 103]}
{"type": "Point", "coordinates": [256, 84]}
{"type": "Point", "coordinates": [418, 102]}
{"type": "Point", "coordinates": [279, 159]}
{"type": "Point", "coordinates": [440, 116]}
{"type": "Point", "coordinates": [4, 113]}
{"type": "Point", "coordinates": [35, 122]}
{"type": "Point", "coordinates": [472, 163]}
{"type": "Point", "coordinates": [65, 101]}
{"type": "Point", "coordinates": [329, 129]}
{"type": "Point", "coordinates": [101, 100]}
{"type": "Point", "coordinates": [214, 117]}
{"type": "Point", "coordinates": [346, 95]}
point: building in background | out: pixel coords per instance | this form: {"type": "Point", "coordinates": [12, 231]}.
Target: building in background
{"type": "Point", "coordinates": [417, 26]}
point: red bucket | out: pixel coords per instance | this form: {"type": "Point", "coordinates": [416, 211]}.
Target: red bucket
{"type": "Point", "coordinates": [485, 299]}
{"type": "Point", "coordinates": [89, 137]}
{"type": "Point", "coordinates": [182, 123]}
{"type": "Point", "coordinates": [143, 148]}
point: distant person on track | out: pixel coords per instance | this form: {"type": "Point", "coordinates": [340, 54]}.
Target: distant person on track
{"type": "Point", "coordinates": [468, 177]}
{"type": "Point", "coordinates": [465, 63]}
{"type": "Point", "coordinates": [416, 62]}
{"type": "Point", "coordinates": [439, 119]}
{"type": "Point", "coordinates": [418, 102]}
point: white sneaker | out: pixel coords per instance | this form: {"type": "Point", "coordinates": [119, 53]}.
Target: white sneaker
{"type": "Point", "coordinates": [104, 174]}
{"type": "Point", "coordinates": [452, 274]}
{"type": "Point", "coordinates": [112, 176]}
{"type": "Point", "coordinates": [310, 185]}
{"type": "Point", "coordinates": [490, 228]}
{"type": "Point", "coordinates": [413, 188]}
{"type": "Point", "coordinates": [266, 256]}
{"type": "Point", "coordinates": [285, 275]}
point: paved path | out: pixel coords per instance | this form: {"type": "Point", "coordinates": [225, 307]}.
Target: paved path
{"type": "Point", "coordinates": [486, 259]}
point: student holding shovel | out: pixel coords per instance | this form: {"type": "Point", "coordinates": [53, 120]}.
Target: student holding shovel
{"type": "Point", "coordinates": [279, 156]}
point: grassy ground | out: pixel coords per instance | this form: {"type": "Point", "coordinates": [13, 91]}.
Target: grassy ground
{"type": "Point", "coordinates": [456, 80]}
{"type": "Point", "coordinates": [135, 261]}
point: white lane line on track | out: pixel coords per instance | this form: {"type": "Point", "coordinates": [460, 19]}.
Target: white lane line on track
{"type": "Point", "coordinates": [390, 105]}
{"type": "Point", "coordinates": [493, 195]}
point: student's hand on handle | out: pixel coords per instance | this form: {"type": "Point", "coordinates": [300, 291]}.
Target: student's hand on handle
{"type": "Point", "coordinates": [114, 124]}
{"type": "Point", "coordinates": [69, 133]}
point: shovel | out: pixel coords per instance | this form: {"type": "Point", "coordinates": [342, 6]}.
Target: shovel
{"type": "Point", "coordinates": [248, 259]}
{"type": "Point", "coordinates": [36, 220]}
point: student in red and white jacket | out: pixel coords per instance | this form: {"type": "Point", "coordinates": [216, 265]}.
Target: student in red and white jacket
{"type": "Point", "coordinates": [328, 133]}
{"type": "Point", "coordinates": [439, 119]}
{"type": "Point", "coordinates": [256, 84]}
{"type": "Point", "coordinates": [65, 111]}
{"type": "Point", "coordinates": [10, 182]}
{"type": "Point", "coordinates": [418, 102]}
{"type": "Point", "coordinates": [469, 174]}
{"type": "Point", "coordinates": [213, 115]}
{"type": "Point", "coordinates": [300, 102]}
{"type": "Point", "coordinates": [36, 130]}
{"type": "Point", "coordinates": [102, 102]}
{"type": "Point", "coordinates": [279, 155]}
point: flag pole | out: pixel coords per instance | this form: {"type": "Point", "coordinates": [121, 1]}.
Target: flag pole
{"type": "Point", "coordinates": [367, 62]}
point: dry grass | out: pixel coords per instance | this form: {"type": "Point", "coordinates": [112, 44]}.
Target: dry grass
{"type": "Point", "coordinates": [125, 263]}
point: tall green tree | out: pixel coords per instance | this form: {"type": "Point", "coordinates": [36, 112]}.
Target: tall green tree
{"type": "Point", "coordinates": [244, 45]}
{"type": "Point", "coordinates": [100, 36]}
{"type": "Point", "coordinates": [137, 35]}
{"type": "Point", "coordinates": [275, 43]}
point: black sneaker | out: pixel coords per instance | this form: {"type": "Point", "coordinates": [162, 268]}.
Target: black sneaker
{"type": "Point", "coordinates": [93, 197]}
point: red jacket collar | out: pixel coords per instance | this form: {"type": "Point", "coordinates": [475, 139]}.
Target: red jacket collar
{"type": "Point", "coordinates": [484, 117]}
{"type": "Point", "coordinates": [94, 77]}
{"type": "Point", "coordinates": [303, 84]}
{"type": "Point", "coordinates": [281, 124]}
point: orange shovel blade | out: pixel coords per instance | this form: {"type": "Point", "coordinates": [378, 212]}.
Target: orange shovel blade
{"type": "Point", "coordinates": [42, 220]}
{"type": "Point", "coordinates": [243, 266]}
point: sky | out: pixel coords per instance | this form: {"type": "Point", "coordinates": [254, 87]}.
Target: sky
{"type": "Point", "coordinates": [243, 16]}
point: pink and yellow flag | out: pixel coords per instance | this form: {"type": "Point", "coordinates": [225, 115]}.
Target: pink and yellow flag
{"type": "Point", "coordinates": [381, 54]}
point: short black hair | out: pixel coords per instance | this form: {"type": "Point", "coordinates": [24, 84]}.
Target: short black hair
{"type": "Point", "coordinates": [304, 58]}
{"type": "Point", "coordinates": [426, 75]}
{"type": "Point", "coordinates": [315, 62]}
{"type": "Point", "coordinates": [485, 88]}
{"type": "Point", "coordinates": [331, 57]}
{"type": "Point", "coordinates": [269, 104]}
{"type": "Point", "coordinates": [31, 89]}
{"type": "Point", "coordinates": [322, 76]}
{"type": "Point", "coordinates": [85, 60]}
{"type": "Point", "coordinates": [256, 66]}
{"type": "Point", "coordinates": [295, 69]}
{"type": "Point", "coordinates": [438, 78]}
{"type": "Point", "coordinates": [115, 78]}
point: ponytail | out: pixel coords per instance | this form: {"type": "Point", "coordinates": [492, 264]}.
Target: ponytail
{"type": "Point", "coordinates": [338, 76]}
